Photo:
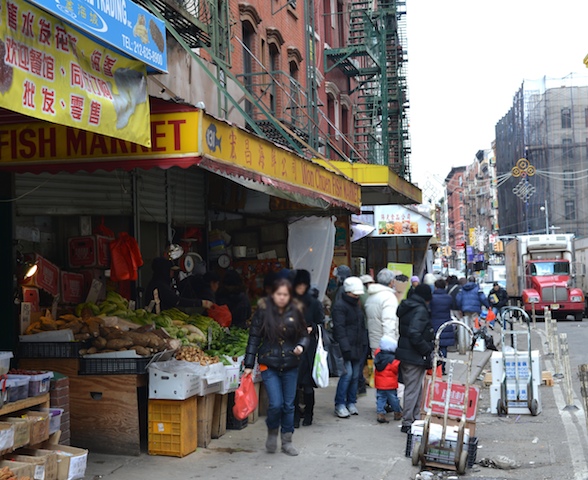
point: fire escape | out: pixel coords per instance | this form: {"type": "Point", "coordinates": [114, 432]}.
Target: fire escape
{"type": "Point", "coordinates": [375, 57]}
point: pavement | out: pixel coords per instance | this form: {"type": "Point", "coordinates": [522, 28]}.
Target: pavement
{"type": "Point", "coordinates": [551, 445]}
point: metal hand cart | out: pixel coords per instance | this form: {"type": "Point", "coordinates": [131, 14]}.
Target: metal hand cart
{"type": "Point", "coordinates": [445, 454]}
{"type": "Point", "coordinates": [511, 392]}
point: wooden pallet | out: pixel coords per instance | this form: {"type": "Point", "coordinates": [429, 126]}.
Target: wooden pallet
{"type": "Point", "coordinates": [547, 378]}
{"type": "Point", "coordinates": [487, 379]}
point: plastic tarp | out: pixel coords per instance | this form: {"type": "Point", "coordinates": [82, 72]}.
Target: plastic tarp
{"type": "Point", "coordinates": [311, 243]}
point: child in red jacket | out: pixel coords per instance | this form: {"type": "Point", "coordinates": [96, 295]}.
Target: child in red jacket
{"type": "Point", "coordinates": [386, 379]}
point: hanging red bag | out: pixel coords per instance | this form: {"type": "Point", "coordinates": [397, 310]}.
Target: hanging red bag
{"type": "Point", "coordinates": [221, 314]}
{"type": "Point", "coordinates": [125, 258]}
{"type": "Point", "coordinates": [245, 398]}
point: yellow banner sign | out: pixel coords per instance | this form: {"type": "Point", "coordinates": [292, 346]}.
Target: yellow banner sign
{"type": "Point", "coordinates": [234, 146]}
{"type": "Point", "coordinates": [173, 134]}
{"type": "Point", "coordinates": [52, 72]}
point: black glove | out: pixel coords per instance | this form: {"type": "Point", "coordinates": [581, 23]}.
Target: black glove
{"type": "Point", "coordinates": [347, 356]}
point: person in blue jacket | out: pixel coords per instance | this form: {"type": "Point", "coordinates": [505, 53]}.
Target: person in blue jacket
{"type": "Point", "coordinates": [470, 300]}
{"type": "Point", "coordinates": [441, 306]}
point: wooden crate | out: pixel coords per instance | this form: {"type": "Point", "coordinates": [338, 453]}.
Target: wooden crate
{"type": "Point", "coordinates": [487, 379]}
{"type": "Point", "coordinates": [172, 427]}
{"type": "Point", "coordinates": [252, 418]}
{"type": "Point", "coordinates": [219, 415]}
{"type": "Point", "coordinates": [205, 411]}
{"type": "Point", "coordinates": [547, 378]}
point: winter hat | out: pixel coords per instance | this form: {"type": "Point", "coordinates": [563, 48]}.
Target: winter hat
{"type": "Point", "coordinates": [429, 279]}
{"type": "Point", "coordinates": [424, 291]}
{"type": "Point", "coordinates": [302, 277]}
{"type": "Point", "coordinates": [366, 279]}
{"type": "Point", "coordinates": [388, 343]}
{"type": "Point", "coordinates": [342, 272]}
{"type": "Point", "coordinates": [353, 285]}
{"type": "Point", "coordinates": [414, 279]}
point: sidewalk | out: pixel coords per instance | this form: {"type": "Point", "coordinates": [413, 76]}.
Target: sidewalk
{"type": "Point", "coordinates": [358, 447]}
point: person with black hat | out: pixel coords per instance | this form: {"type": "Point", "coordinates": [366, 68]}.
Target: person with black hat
{"type": "Point", "coordinates": [168, 295]}
{"type": "Point", "coordinates": [314, 317]}
{"type": "Point", "coordinates": [415, 348]}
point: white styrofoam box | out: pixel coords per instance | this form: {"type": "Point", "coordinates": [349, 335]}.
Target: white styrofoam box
{"type": "Point", "coordinates": [207, 386]}
{"type": "Point", "coordinates": [497, 365]}
{"type": "Point", "coordinates": [436, 430]}
{"type": "Point", "coordinates": [231, 380]}
{"type": "Point", "coordinates": [514, 407]}
{"type": "Point", "coordinates": [172, 386]}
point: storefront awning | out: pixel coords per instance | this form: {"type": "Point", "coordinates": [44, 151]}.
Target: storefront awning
{"type": "Point", "coordinates": [180, 138]}
{"type": "Point", "coordinates": [380, 185]}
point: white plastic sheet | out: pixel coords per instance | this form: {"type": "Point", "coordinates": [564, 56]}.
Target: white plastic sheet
{"type": "Point", "coordinates": [311, 243]}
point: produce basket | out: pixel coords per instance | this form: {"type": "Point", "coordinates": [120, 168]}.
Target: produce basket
{"type": "Point", "coordinates": [22, 431]}
{"type": "Point", "coordinates": [39, 382]}
{"type": "Point", "coordinates": [39, 426]}
{"type": "Point", "coordinates": [55, 418]}
{"type": "Point", "coordinates": [114, 366]}
{"type": "Point", "coordinates": [50, 349]}
{"type": "Point", "coordinates": [18, 388]}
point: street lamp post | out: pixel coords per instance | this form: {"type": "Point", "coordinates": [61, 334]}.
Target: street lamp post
{"type": "Point", "coordinates": [544, 209]}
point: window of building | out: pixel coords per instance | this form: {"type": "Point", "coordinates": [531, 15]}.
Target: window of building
{"type": "Point", "coordinates": [567, 148]}
{"type": "Point", "coordinates": [568, 179]}
{"type": "Point", "coordinates": [566, 118]}
{"type": "Point", "coordinates": [570, 207]}
{"type": "Point", "coordinates": [331, 114]}
{"type": "Point", "coordinates": [345, 128]}
{"type": "Point", "coordinates": [461, 212]}
{"type": "Point", "coordinates": [327, 22]}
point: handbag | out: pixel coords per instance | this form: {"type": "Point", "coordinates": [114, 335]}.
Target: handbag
{"type": "Point", "coordinates": [245, 398]}
{"type": "Point", "coordinates": [335, 358]}
{"type": "Point", "coordinates": [320, 366]}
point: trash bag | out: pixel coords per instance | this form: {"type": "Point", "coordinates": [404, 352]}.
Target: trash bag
{"type": "Point", "coordinates": [221, 314]}
{"type": "Point", "coordinates": [245, 398]}
{"type": "Point", "coordinates": [125, 258]}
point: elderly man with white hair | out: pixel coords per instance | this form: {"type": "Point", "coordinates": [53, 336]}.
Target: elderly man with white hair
{"type": "Point", "coordinates": [380, 309]}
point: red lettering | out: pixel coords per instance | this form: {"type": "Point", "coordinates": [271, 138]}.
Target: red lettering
{"type": "Point", "coordinates": [155, 135]}
{"type": "Point", "coordinates": [76, 142]}
{"type": "Point", "coordinates": [115, 143]}
{"type": "Point", "coordinates": [28, 146]}
{"type": "Point", "coordinates": [177, 133]}
{"type": "Point", "coordinates": [49, 141]}
{"type": "Point", "coordinates": [98, 143]}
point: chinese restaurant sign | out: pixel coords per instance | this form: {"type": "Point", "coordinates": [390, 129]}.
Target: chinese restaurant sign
{"type": "Point", "coordinates": [121, 24]}
{"type": "Point", "coordinates": [52, 72]}
{"type": "Point", "coordinates": [397, 220]}
{"type": "Point", "coordinates": [232, 146]}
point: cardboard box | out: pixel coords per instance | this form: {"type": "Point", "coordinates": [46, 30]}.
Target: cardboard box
{"type": "Point", "coordinates": [89, 251]}
{"type": "Point", "coordinates": [72, 288]}
{"type": "Point", "coordinates": [456, 400]}
{"type": "Point", "coordinates": [71, 461]}
{"type": "Point", "coordinates": [46, 277]}
{"type": "Point", "coordinates": [31, 295]}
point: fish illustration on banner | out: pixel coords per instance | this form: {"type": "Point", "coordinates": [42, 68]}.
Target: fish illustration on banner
{"type": "Point", "coordinates": [212, 141]}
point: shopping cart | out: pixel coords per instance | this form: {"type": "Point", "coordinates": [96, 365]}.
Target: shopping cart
{"type": "Point", "coordinates": [516, 389]}
{"type": "Point", "coordinates": [445, 453]}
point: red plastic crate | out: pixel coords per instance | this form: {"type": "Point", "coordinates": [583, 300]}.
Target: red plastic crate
{"type": "Point", "coordinates": [72, 287]}
{"type": "Point", "coordinates": [89, 251]}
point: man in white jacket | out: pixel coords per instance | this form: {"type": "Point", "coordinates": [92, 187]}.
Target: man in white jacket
{"type": "Point", "coordinates": [380, 309]}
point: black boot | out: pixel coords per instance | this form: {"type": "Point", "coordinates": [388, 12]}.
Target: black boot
{"type": "Point", "coordinates": [308, 408]}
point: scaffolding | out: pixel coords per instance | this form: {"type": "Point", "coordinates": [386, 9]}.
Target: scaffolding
{"type": "Point", "coordinates": [547, 125]}
{"type": "Point", "coordinates": [375, 57]}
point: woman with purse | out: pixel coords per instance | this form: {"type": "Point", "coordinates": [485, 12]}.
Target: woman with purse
{"type": "Point", "coordinates": [278, 337]}
{"type": "Point", "coordinates": [314, 317]}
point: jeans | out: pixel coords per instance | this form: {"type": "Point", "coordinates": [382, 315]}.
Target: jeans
{"type": "Point", "coordinates": [347, 386]}
{"type": "Point", "coordinates": [389, 397]}
{"type": "Point", "coordinates": [281, 391]}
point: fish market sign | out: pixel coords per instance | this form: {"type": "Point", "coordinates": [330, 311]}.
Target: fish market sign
{"type": "Point", "coordinates": [52, 72]}
{"type": "Point", "coordinates": [119, 23]}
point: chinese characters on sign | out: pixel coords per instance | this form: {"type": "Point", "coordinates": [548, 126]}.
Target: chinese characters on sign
{"type": "Point", "coordinates": [398, 220]}
{"type": "Point", "coordinates": [52, 72]}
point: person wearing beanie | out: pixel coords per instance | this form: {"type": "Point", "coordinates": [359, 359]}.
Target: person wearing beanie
{"type": "Point", "coordinates": [415, 348]}
{"type": "Point", "coordinates": [430, 281]}
{"type": "Point", "coordinates": [342, 272]}
{"type": "Point", "coordinates": [414, 282]}
{"type": "Point", "coordinates": [350, 333]}
{"type": "Point", "coordinates": [314, 317]}
{"type": "Point", "coordinates": [386, 379]}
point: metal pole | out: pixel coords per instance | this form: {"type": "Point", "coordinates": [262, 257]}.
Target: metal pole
{"type": "Point", "coordinates": [534, 315]}
{"type": "Point", "coordinates": [583, 373]}
{"type": "Point", "coordinates": [548, 331]}
{"type": "Point", "coordinates": [565, 352]}
{"type": "Point", "coordinates": [556, 350]}
{"type": "Point", "coordinates": [546, 219]}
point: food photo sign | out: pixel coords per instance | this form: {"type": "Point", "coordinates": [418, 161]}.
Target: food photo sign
{"type": "Point", "coordinates": [396, 220]}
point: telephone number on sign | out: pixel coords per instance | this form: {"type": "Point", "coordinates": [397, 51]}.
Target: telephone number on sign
{"type": "Point", "coordinates": [147, 53]}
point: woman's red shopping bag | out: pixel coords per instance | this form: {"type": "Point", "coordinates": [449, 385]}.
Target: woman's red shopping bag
{"type": "Point", "coordinates": [245, 398]}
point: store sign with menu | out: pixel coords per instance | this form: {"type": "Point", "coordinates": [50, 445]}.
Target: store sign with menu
{"type": "Point", "coordinates": [396, 220]}
{"type": "Point", "coordinates": [120, 24]}
{"type": "Point", "coordinates": [54, 73]}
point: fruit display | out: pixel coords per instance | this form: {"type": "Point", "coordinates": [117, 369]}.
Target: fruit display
{"type": "Point", "coordinates": [195, 354]}
{"type": "Point", "coordinates": [82, 328]}
{"type": "Point", "coordinates": [113, 339]}
{"type": "Point", "coordinates": [232, 344]}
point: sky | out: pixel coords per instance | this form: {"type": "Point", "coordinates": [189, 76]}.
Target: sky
{"type": "Point", "coordinates": [467, 59]}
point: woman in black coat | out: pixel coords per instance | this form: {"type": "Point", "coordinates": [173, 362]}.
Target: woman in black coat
{"type": "Point", "coordinates": [277, 338]}
{"type": "Point", "coordinates": [314, 317]}
{"type": "Point", "coordinates": [441, 306]}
